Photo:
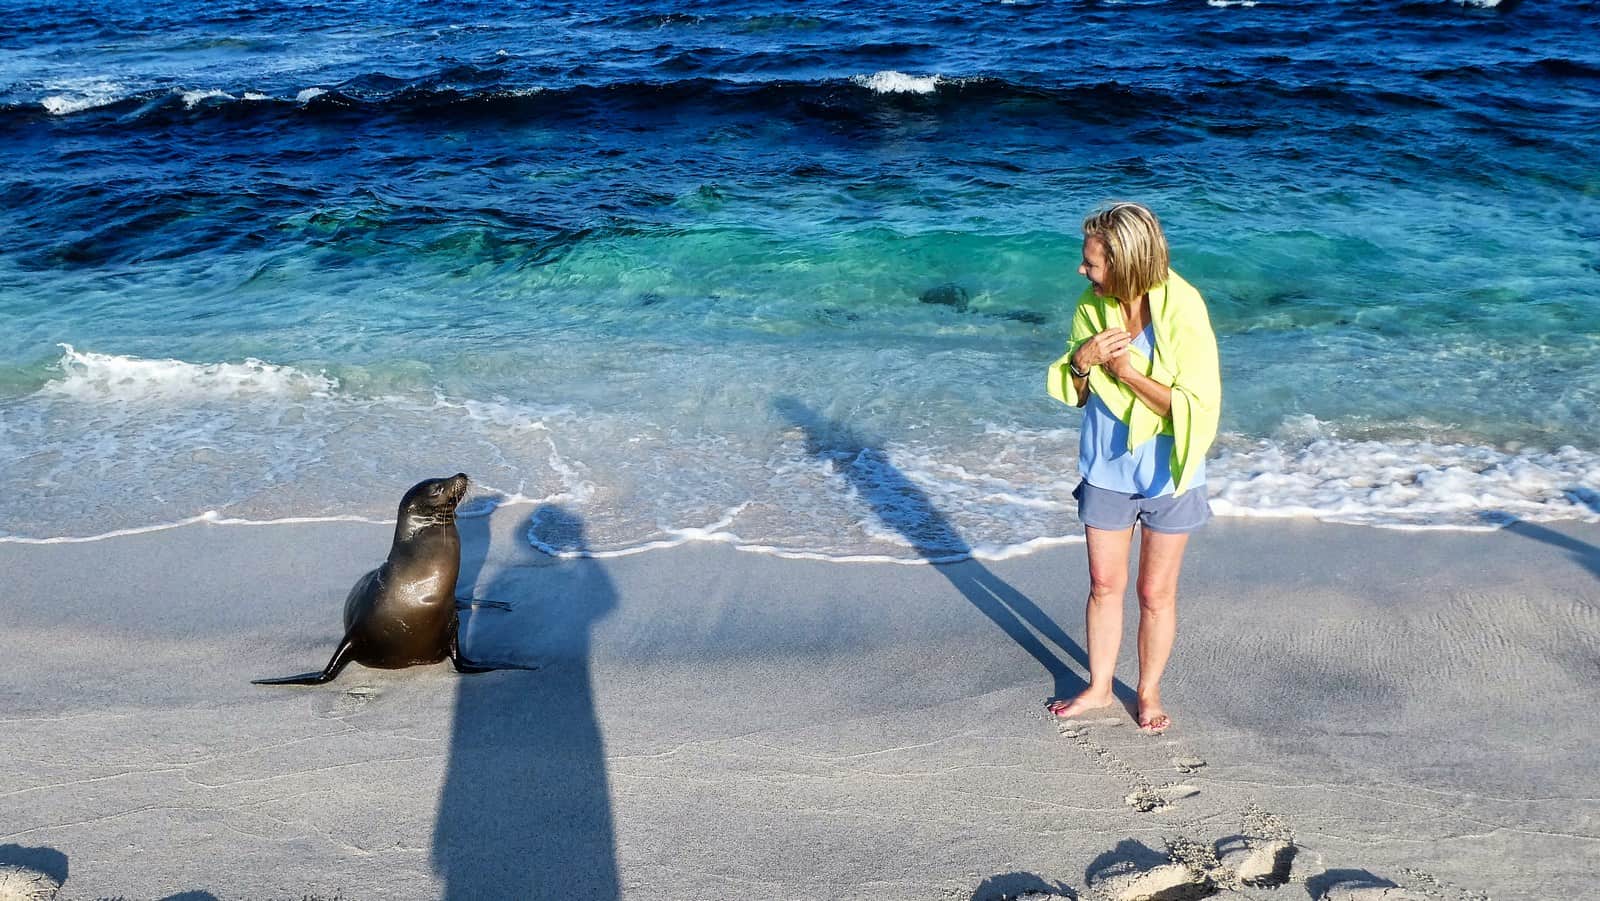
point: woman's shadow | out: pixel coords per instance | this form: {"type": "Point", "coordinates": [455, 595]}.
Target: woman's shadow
{"type": "Point", "coordinates": [901, 505]}
{"type": "Point", "coordinates": [526, 806]}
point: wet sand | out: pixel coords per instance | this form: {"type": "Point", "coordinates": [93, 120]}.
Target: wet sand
{"type": "Point", "coordinates": [1358, 713]}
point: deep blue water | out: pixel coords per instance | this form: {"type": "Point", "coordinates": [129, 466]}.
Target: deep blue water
{"type": "Point", "coordinates": [301, 255]}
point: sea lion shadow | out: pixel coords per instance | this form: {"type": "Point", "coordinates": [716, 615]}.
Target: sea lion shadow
{"type": "Point", "coordinates": [900, 504]}
{"type": "Point", "coordinates": [525, 811]}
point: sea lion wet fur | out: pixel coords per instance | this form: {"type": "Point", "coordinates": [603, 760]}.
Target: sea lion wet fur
{"type": "Point", "coordinates": [404, 612]}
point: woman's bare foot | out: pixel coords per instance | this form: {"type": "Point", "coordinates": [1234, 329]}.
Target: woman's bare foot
{"type": "Point", "coordinates": [1152, 718]}
{"type": "Point", "coordinates": [1083, 703]}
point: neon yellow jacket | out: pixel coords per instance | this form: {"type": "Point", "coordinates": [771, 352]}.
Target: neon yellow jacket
{"type": "Point", "coordinates": [1185, 360]}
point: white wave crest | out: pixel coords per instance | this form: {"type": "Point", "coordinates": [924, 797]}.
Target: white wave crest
{"type": "Point", "coordinates": [891, 82]}
{"type": "Point", "coordinates": [309, 94]}
{"type": "Point", "coordinates": [79, 96]}
{"type": "Point", "coordinates": [191, 99]}
{"type": "Point", "coordinates": [93, 376]}
{"type": "Point", "coordinates": [1406, 484]}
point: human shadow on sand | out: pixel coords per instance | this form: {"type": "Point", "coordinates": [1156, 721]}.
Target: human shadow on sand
{"type": "Point", "coordinates": [526, 807]}
{"type": "Point", "coordinates": [1586, 554]}
{"type": "Point", "coordinates": [899, 504]}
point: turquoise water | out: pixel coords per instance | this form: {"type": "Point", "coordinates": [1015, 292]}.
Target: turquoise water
{"type": "Point", "coordinates": [746, 276]}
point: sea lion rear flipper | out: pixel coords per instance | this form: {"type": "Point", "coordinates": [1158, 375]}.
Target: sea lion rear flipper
{"type": "Point", "coordinates": [341, 656]}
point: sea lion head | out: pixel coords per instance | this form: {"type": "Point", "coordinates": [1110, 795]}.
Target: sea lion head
{"type": "Point", "coordinates": [432, 502]}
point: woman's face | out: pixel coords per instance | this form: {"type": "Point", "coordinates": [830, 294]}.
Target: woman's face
{"type": "Point", "coordinates": [1093, 266]}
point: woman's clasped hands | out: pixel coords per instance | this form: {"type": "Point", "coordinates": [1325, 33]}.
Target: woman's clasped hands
{"type": "Point", "coordinates": [1109, 349]}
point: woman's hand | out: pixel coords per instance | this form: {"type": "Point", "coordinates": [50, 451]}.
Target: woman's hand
{"type": "Point", "coordinates": [1102, 349]}
{"type": "Point", "coordinates": [1121, 365]}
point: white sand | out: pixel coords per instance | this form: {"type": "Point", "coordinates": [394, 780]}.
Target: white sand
{"type": "Point", "coordinates": [1414, 712]}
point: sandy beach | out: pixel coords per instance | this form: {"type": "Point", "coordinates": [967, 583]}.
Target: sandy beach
{"type": "Point", "coordinates": [1406, 710]}
{"type": "Point", "coordinates": [739, 317]}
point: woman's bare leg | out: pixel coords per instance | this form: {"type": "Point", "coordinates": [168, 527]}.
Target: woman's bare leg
{"type": "Point", "coordinates": [1108, 585]}
{"type": "Point", "coordinates": [1160, 559]}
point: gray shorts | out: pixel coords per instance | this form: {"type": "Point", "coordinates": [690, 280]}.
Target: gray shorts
{"type": "Point", "coordinates": [1114, 511]}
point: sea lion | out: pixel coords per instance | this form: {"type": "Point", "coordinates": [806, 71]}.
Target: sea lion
{"type": "Point", "coordinates": [404, 612]}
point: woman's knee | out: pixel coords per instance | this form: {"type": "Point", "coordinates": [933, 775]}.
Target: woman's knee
{"type": "Point", "coordinates": [1107, 589]}
{"type": "Point", "coordinates": [1157, 600]}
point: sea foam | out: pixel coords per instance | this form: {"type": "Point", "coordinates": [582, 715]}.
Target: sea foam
{"type": "Point", "coordinates": [191, 99]}
{"type": "Point", "coordinates": [1404, 483]}
{"type": "Point", "coordinates": [88, 376]}
{"type": "Point", "coordinates": [79, 96]}
{"type": "Point", "coordinates": [262, 442]}
{"type": "Point", "coordinates": [891, 82]}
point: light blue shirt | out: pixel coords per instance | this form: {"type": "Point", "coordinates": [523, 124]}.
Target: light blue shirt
{"type": "Point", "coordinates": [1103, 455]}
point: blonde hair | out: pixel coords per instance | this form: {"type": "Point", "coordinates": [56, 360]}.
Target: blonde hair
{"type": "Point", "coordinates": [1136, 249]}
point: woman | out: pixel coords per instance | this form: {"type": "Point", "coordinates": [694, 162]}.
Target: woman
{"type": "Point", "coordinates": [1142, 362]}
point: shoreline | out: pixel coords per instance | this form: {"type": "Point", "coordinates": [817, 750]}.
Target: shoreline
{"type": "Point", "coordinates": [714, 724]}
{"type": "Point", "coordinates": [711, 536]}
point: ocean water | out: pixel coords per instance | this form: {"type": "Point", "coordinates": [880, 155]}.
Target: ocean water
{"type": "Point", "coordinates": [783, 275]}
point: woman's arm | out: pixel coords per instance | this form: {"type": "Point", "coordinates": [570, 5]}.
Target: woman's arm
{"type": "Point", "coordinates": [1151, 393]}
{"type": "Point", "coordinates": [1080, 383]}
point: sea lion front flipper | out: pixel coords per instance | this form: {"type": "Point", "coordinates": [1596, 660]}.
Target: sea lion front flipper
{"type": "Point", "coordinates": [461, 663]}
{"type": "Point", "coordinates": [341, 656]}
{"type": "Point", "coordinates": [479, 603]}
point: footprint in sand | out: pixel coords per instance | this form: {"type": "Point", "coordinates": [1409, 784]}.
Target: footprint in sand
{"type": "Point", "coordinates": [346, 703]}
{"type": "Point", "coordinates": [1263, 856]}
{"type": "Point", "coordinates": [1257, 862]}
{"type": "Point", "coordinates": [1361, 885]}
{"type": "Point", "coordinates": [1177, 791]}
{"type": "Point", "coordinates": [1192, 868]}
{"type": "Point", "coordinates": [1146, 798]}
{"type": "Point", "coordinates": [1077, 726]}
{"type": "Point", "coordinates": [1167, 882]}
{"type": "Point", "coordinates": [1187, 763]}
{"type": "Point", "coordinates": [1436, 887]}
{"type": "Point", "coordinates": [1364, 891]}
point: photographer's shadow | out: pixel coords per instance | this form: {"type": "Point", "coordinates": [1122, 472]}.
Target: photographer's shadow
{"type": "Point", "coordinates": [900, 504]}
{"type": "Point", "coordinates": [526, 806]}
